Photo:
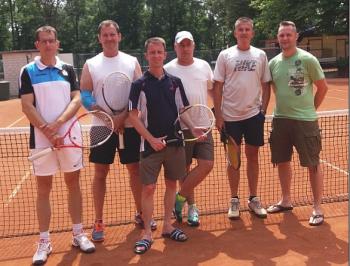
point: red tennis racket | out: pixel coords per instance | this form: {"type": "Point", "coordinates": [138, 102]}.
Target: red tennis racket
{"type": "Point", "coordinates": [98, 134]}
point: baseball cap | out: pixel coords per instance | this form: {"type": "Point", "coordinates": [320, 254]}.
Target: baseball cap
{"type": "Point", "coordinates": [181, 35]}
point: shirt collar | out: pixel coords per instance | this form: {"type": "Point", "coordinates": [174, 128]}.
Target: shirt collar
{"type": "Point", "coordinates": [41, 66]}
{"type": "Point", "coordinates": [149, 75]}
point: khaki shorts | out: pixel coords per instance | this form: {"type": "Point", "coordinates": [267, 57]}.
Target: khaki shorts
{"type": "Point", "coordinates": [203, 150]}
{"type": "Point", "coordinates": [173, 160]}
{"type": "Point", "coordinates": [303, 135]}
{"type": "Point", "coordinates": [65, 159]}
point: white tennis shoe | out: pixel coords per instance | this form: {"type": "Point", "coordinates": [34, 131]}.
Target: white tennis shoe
{"type": "Point", "coordinates": [255, 206]}
{"type": "Point", "coordinates": [233, 211]}
{"type": "Point", "coordinates": [83, 243]}
{"type": "Point", "coordinates": [43, 251]}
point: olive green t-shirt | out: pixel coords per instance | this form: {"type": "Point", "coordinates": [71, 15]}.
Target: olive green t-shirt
{"type": "Point", "coordinates": [293, 78]}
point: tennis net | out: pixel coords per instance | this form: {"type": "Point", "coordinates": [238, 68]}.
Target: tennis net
{"type": "Point", "coordinates": [18, 186]}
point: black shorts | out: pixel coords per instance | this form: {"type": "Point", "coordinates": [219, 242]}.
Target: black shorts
{"type": "Point", "coordinates": [105, 153]}
{"type": "Point", "coordinates": [252, 129]}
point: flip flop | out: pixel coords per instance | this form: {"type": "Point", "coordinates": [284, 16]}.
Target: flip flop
{"type": "Point", "coordinates": [316, 219]}
{"type": "Point", "coordinates": [177, 235]}
{"type": "Point", "coordinates": [276, 208]}
{"type": "Point", "coordinates": [142, 246]}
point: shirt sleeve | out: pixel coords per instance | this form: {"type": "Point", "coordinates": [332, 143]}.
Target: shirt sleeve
{"type": "Point", "coordinates": [72, 78]}
{"type": "Point", "coordinates": [314, 69]}
{"type": "Point", "coordinates": [266, 74]}
{"type": "Point", "coordinates": [134, 96]}
{"type": "Point", "coordinates": [25, 84]}
{"type": "Point", "coordinates": [180, 96]}
{"type": "Point", "coordinates": [219, 71]}
{"type": "Point", "coordinates": [210, 74]}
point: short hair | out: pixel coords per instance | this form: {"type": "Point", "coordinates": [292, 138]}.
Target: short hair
{"type": "Point", "coordinates": [107, 23]}
{"type": "Point", "coordinates": [45, 28]}
{"type": "Point", "coordinates": [155, 40]}
{"type": "Point", "coordinates": [287, 23]}
{"type": "Point", "coordinates": [244, 20]}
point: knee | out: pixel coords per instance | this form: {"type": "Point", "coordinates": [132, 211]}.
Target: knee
{"type": "Point", "coordinates": [43, 191]}
{"type": "Point", "coordinates": [148, 190]}
{"type": "Point", "coordinates": [101, 171]}
{"type": "Point", "coordinates": [207, 166]}
{"type": "Point", "coordinates": [252, 154]}
{"type": "Point", "coordinates": [133, 170]}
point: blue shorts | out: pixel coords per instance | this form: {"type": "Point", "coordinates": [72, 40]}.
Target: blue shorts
{"type": "Point", "coordinates": [252, 129]}
{"type": "Point", "coordinates": [105, 153]}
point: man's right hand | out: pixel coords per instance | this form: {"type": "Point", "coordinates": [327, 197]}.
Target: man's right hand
{"type": "Point", "coordinates": [219, 122]}
{"type": "Point", "coordinates": [157, 143]}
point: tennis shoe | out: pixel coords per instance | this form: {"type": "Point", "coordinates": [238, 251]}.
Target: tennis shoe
{"type": "Point", "coordinates": [179, 204]}
{"type": "Point", "coordinates": [255, 206]}
{"type": "Point", "coordinates": [83, 243]}
{"type": "Point", "coordinates": [193, 215]}
{"type": "Point", "coordinates": [98, 234]}
{"type": "Point", "coordinates": [139, 222]}
{"type": "Point", "coordinates": [233, 211]}
{"type": "Point", "coordinates": [43, 251]}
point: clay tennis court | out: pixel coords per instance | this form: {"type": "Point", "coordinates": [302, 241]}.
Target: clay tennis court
{"type": "Point", "coordinates": [281, 239]}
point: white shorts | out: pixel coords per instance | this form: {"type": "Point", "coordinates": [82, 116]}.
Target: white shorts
{"type": "Point", "coordinates": [65, 160]}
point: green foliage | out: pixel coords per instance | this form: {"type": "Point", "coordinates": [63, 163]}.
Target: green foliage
{"type": "Point", "coordinates": [210, 21]}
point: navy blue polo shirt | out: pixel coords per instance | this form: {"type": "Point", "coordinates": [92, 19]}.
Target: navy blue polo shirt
{"type": "Point", "coordinates": [159, 101]}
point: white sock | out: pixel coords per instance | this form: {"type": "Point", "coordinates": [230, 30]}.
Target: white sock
{"type": "Point", "coordinates": [45, 236]}
{"type": "Point", "coordinates": [77, 229]}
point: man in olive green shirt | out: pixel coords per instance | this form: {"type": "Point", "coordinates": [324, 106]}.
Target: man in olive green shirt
{"type": "Point", "coordinates": [294, 71]}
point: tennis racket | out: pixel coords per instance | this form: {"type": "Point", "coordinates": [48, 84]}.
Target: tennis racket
{"type": "Point", "coordinates": [232, 151]}
{"type": "Point", "coordinates": [115, 92]}
{"type": "Point", "coordinates": [99, 133]}
{"type": "Point", "coordinates": [193, 123]}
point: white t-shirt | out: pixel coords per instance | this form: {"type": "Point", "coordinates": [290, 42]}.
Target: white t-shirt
{"type": "Point", "coordinates": [242, 73]}
{"type": "Point", "coordinates": [101, 66]}
{"type": "Point", "coordinates": [196, 78]}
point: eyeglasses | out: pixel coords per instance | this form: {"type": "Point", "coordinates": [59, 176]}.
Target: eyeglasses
{"type": "Point", "coordinates": [48, 41]}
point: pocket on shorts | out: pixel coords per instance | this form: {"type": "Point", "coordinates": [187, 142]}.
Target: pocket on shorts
{"type": "Point", "coordinates": [313, 141]}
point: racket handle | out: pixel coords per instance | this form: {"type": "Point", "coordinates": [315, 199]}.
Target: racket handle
{"type": "Point", "coordinates": [40, 154]}
{"type": "Point", "coordinates": [121, 141]}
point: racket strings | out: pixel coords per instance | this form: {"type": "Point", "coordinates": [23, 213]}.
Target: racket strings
{"type": "Point", "coordinates": [101, 130]}
{"type": "Point", "coordinates": [198, 119]}
{"type": "Point", "coordinates": [116, 89]}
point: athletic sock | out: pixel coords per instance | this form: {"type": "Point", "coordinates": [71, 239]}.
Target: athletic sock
{"type": "Point", "coordinates": [251, 197]}
{"type": "Point", "coordinates": [180, 198]}
{"type": "Point", "coordinates": [77, 229]}
{"type": "Point", "coordinates": [235, 197]}
{"type": "Point", "coordinates": [45, 236]}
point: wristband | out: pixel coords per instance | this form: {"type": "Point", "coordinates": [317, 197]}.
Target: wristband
{"type": "Point", "coordinates": [87, 99]}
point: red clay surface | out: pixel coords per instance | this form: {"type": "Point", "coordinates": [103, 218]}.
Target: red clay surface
{"type": "Point", "coordinates": [280, 240]}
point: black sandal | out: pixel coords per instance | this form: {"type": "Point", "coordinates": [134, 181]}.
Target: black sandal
{"type": "Point", "coordinates": [142, 246]}
{"type": "Point", "coordinates": [177, 235]}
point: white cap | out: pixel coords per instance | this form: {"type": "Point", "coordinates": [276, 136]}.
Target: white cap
{"type": "Point", "coordinates": [181, 35]}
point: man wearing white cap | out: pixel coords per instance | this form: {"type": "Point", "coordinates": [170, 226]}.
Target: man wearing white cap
{"type": "Point", "coordinates": [196, 76]}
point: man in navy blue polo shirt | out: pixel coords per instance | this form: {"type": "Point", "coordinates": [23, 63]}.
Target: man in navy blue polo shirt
{"type": "Point", "coordinates": [158, 96]}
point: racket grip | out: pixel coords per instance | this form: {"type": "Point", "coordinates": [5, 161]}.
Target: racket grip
{"type": "Point", "coordinates": [40, 154]}
{"type": "Point", "coordinates": [121, 141]}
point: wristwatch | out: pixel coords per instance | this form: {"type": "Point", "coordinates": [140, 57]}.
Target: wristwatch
{"type": "Point", "coordinates": [263, 112]}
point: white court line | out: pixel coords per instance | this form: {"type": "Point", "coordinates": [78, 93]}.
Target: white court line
{"type": "Point", "coordinates": [18, 187]}
{"type": "Point", "coordinates": [337, 98]}
{"type": "Point", "coordinates": [19, 119]}
{"type": "Point", "coordinates": [335, 167]}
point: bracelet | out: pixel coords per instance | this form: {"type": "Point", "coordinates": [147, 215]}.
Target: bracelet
{"type": "Point", "coordinates": [263, 112]}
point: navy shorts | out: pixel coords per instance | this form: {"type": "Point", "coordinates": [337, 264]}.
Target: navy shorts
{"type": "Point", "coordinates": [252, 129]}
{"type": "Point", "coordinates": [105, 153]}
